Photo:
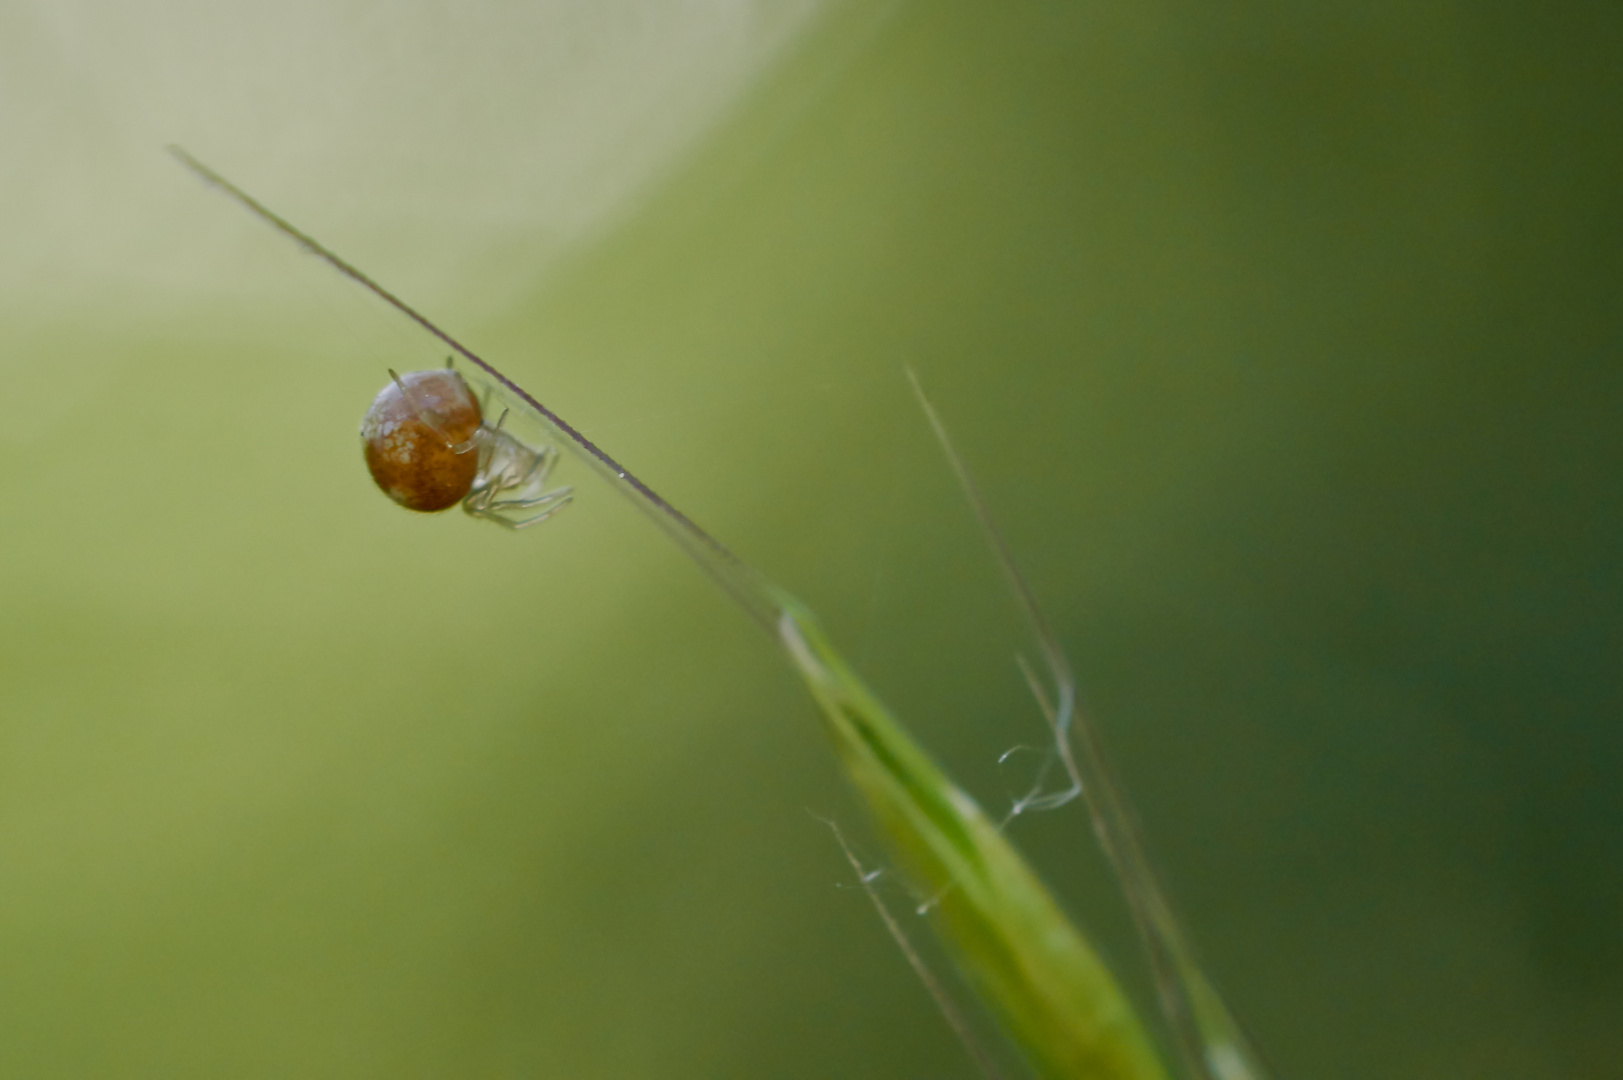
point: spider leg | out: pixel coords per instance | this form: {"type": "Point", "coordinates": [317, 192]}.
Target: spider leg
{"type": "Point", "coordinates": [559, 495]}
{"type": "Point", "coordinates": [514, 475]}
{"type": "Point", "coordinates": [497, 510]}
{"type": "Point", "coordinates": [545, 459]}
{"type": "Point", "coordinates": [528, 486]}
{"type": "Point", "coordinates": [536, 519]}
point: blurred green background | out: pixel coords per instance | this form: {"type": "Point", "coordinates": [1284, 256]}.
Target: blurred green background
{"type": "Point", "coordinates": [1285, 340]}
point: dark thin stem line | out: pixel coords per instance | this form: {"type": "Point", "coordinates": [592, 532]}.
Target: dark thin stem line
{"type": "Point", "coordinates": [746, 586]}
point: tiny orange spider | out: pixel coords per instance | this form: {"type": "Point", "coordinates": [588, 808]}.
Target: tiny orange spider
{"type": "Point", "coordinates": [427, 446]}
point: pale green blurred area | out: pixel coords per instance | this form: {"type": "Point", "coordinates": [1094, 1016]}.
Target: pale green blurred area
{"type": "Point", "coordinates": [1285, 340]}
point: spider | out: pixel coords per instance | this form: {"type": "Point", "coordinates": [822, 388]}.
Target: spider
{"type": "Point", "coordinates": [427, 446]}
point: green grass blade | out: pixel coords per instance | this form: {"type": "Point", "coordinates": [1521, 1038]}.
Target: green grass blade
{"type": "Point", "coordinates": [1042, 979]}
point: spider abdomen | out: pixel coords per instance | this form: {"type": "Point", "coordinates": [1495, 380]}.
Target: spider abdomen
{"type": "Point", "coordinates": [418, 438]}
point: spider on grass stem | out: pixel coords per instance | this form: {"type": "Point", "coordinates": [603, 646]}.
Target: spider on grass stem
{"type": "Point", "coordinates": [428, 447]}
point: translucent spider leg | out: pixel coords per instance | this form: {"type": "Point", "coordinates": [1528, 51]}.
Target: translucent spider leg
{"type": "Point", "coordinates": [508, 466]}
{"type": "Point", "coordinates": [559, 500]}
{"type": "Point", "coordinates": [481, 505]}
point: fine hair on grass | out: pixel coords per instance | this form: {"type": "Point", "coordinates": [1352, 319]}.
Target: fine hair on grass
{"type": "Point", "coordinates": [1027, 962]}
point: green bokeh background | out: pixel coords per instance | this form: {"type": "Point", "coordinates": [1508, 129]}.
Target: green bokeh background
{"type": "Point", "coordinates": [1286, 341]}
